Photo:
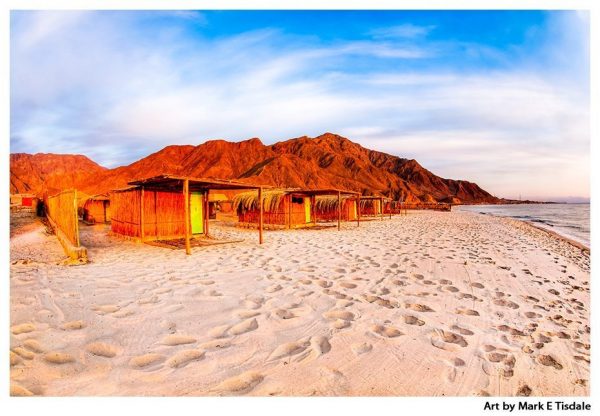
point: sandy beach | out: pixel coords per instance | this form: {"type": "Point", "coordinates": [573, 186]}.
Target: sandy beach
{"type": "Point", "coordinates": [428, 304]}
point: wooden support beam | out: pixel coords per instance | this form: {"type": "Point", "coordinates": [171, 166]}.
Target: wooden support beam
{"type": "Point", "coordinates": [186, 204]}
{"type": "Point", "coordinates": [381, 208]}
{"type": "Point", "coordinates": [142, 226]}
{"type": "Point", "coordinates": [339, 210]}
{"type": "Point", "coordinates": [358, 212]}
{"type": "Point", "coordinates": [76, 220]}
{"type": "Point", "coordinates": [260, 215]}
{"type": "Point", "coordinates": [313, 199]}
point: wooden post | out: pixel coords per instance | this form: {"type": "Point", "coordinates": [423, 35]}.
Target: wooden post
{"type": "Point", "coordinates": [390, 209]}
{"type": "Point", "coordinates": [312, 208]}
{"type": "Point", "coordinates": [339, 210]}
{"type": "Point", "coordinates": [76, 219]}
{"type": "Point", "coordinates": [381, 208]}
{"type": "Point", "coordinates": [142, 227]}
{"type": "Point", "coordinates": [206, 212]}
{"type": "Point", "coordinates": [358, 211]}
{"type": "Point", "coordinates": [186, 204]}
{"type": "Point", "coordinates": [260, 216]}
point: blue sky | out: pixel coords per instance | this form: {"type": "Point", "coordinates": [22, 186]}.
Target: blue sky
{"type": "Point", "coordinates": [495, 97]}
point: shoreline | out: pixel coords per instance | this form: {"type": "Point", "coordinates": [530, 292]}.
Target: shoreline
{"type": "Point", "coordinates": [568, 238]}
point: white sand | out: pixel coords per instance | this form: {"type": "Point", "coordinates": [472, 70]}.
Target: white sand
{"type": "Point", "coordinates": [427, 304]}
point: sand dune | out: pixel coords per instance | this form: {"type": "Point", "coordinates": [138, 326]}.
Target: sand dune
{"type": "Point", "coordinates": [424, 304]}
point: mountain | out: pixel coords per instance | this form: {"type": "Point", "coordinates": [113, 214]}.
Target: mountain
{"type": "Point", "coordinates": [326, 161]}
{"type": "Point", "coordinates": [46, 171]}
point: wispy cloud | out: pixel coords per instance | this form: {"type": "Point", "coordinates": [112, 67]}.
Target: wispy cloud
{"type": "Point", "coordinates": [117, 90]}
{"type": "Point", "coordinates": [403, 31]}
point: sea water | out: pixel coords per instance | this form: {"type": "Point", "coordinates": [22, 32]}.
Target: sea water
{"type": "Point", "coordinates": [569, 220]}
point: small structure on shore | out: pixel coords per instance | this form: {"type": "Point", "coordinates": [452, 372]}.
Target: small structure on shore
{"type": "Point", "coordinates": [24, 200]}
{"type": "Point", "coordinates": [96, 209]}
{"type": "Point", "coordinates": [168, 207]}
{"type": "Point", "coordinates": [372, 206]}
{"type": "Point", "coordinates": [290, 208]}
{"type": "Point", "coordinates": [326, 208]}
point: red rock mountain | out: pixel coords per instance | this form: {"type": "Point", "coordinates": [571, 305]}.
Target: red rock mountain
{"type": "Point", "coordinates": [325, 161]}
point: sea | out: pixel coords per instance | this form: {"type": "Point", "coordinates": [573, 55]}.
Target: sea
{"type": "Point", "coordinates": [569, 220]}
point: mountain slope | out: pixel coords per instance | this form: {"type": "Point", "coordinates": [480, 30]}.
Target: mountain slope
{"type": "Point", "coordinates": [325, 161]}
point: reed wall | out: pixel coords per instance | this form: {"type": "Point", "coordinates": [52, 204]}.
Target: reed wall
{"type": "Point", "coordinates": [62, 210]}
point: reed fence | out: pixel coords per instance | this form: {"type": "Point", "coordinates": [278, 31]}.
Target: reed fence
{"type": "Point", "coordinates": [62, 211]}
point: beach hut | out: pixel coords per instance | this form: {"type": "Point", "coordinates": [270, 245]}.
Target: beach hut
{"type": "Point", "coordinates": [326, 208]}
{"type": "Point", "coordinates": [168, 207]}
{"type": "Point", "coordinates": [96, 209]}
{"type": "Point", "coordinates": [286, 208]}
{"type": "Point", "coordinates": [374, 206]}
{"type": "Point", "coordinates": [23, 200]}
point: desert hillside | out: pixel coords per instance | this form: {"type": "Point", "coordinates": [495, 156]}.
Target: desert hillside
{"type": "Point", "coordinates": [325, 161]}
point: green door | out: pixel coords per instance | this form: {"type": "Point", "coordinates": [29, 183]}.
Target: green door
{"type": "Point", "coordinates": [196, 217]}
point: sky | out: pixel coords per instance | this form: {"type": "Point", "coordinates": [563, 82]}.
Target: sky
{"type": "Point", "coordinates": [500, 98]}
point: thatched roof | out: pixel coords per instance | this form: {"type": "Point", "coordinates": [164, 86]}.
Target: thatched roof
{"type": "Point", "coordinates": [249, 200]}
{"type": "Point", "coordinates": [329, 202]}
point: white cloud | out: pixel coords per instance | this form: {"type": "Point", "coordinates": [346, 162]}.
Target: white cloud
{"type": "Point", "coordinates": [116, 94]}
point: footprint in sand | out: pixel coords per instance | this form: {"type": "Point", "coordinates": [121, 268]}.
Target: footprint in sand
{"type": "Point", "coordinates": [206, 282]}
{"type": "Point", "coordinates": [101, 349]}
{"type": "Point", "coordinates": [348, 285]}
{"type": "Point", "coordinates": [283, 314]}
{"type": "Point", "coordinates": [174, 340]}
{"type": "Point", "coordinates": [123, 313]}
{"type": "Point", "coordinates": [243, 327]}
{"type": "Point", "coordinates": [219, 331]}
{"type": "Point", "coordinates": [524, 391]}
{"type": "Point", "coordinates": [15, 359]}
{"type": "Point", "coordinates": [320, 344]}
{"type": "Point", "coordinates": [441, 339]}
{"type": "Point", "coordinates": [462, 331]}
{"type": "Point", "coordinates": [340, 324]}
{"type": "Point", "coordinates": [23, 353]}
{"type": "Point", "coordinates": [273, 288]}
{"type": "Point", "coordinates": [361, 348]}
{"type": "Point", "coordinates": [33, 345]}
{"type": "Point", "coordinates": [418, 307]}
{"type": "Point", "coordinates": [245, 314]}
{"type": "Point", "coordinates": [19, 391]}
{"type": "Point", "coordinates": [339, 314]}
{"type": "Point", "coordinates": [413, 320]}
{"type": "Point", "coordinates": [477, 285]}
{"type": "Point", "coordinates": [58, 358]}
{"type": "Point", "coordinates": [288, 349]}
{"type": "Point", "coordinates": [22, 328]}
{"type": "Point", "coordinates": [104, 309]}
{"type": "Point", "coordinates": [182, 358]}
{"type": "Point", "coordinates": [73, 325]}
{"type": "Point", "coordinates": [146, 360]}
{"type": "Point", "coordinates": [465, 311]}
{"type": "Point", "coordinates": [240, 384]}
{"type": "Point", "coordinates": [149, 300]}
{"type": "Point", "coordinates": [386, 331]}
{"type": "Point", "coordinates": [549, 360]}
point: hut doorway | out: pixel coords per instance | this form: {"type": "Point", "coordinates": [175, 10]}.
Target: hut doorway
{"type": "Point", "coordinates": [196, 217]}
{"type": "Point", "coordinates": [307, 210]}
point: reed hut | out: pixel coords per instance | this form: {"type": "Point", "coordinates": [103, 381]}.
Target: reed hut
{"type": "Point", "coordinates": [326, 208]}
{"type": "Point", "coordinates": [374, 206]}
{"type": "Point", "coordinates": [24, 200]}
{"type": "Point", "coordinates": [168, 207]}
{"type": "Point", "coordinates": [287, 208]}
{"type": "Point", "coordinates": [96, 209]}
